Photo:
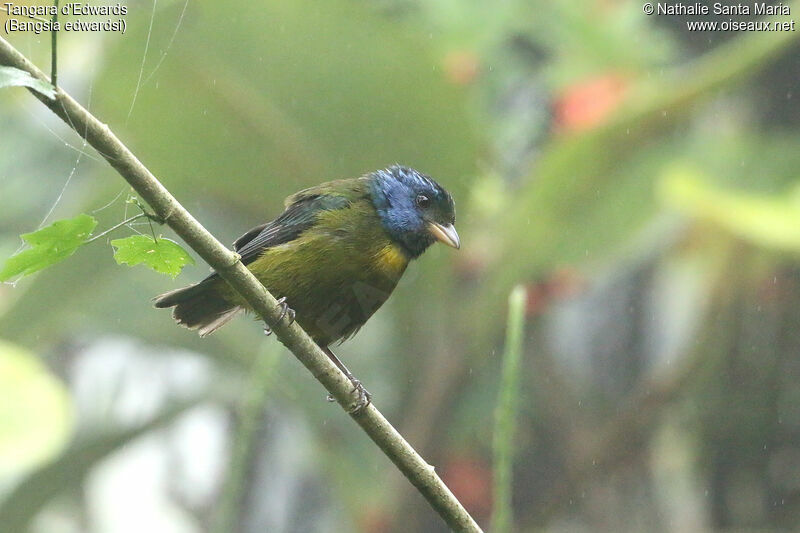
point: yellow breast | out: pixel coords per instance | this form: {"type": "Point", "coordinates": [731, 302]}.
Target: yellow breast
{"type": "Point", "coordinates": [391, 260]}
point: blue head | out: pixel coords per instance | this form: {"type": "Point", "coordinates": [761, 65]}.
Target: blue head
{"type": "Point", "coordinates": [414, 209]}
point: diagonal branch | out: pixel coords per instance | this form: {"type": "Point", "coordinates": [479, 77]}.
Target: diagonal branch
{"type": "Point", "coordinates": [228, 265]}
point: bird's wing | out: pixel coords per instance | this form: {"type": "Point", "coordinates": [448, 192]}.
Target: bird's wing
{"type": "Point", "coordinates": [298, 217]}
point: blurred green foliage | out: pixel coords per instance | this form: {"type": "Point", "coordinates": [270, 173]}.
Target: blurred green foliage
{"type": "Point", "coordinates": [505, 417]}
{"type": "Point", "coordinates": [330, 91]}
{"type": "Point", "coordinates": [628, 180]}
{"type": "Point", "coordinates": [770, 222]}
{"type": "Point", "coordinates": [36, 415]}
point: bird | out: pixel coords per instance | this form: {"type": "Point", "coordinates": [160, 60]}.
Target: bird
{"type": "Point", "coordinates": [332, 258]}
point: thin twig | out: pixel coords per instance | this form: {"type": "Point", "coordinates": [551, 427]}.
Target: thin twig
{"type": "Point", "coordinates": [116, 226]}
{"type": "Point", "coordinates": [150, 217]}
{"type": "Point", "coordinates": [54, 48]}
{"type": "Point", "coordinates": [230, 268]}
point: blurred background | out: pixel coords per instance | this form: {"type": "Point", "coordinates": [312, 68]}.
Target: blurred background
{"type": "Point", "coordinates": [640, 181]}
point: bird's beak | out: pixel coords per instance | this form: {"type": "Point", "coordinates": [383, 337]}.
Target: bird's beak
{"type": "Point", "coordinates": [445, 233]}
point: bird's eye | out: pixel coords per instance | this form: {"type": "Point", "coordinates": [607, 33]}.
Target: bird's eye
{"type": "Point", "coordinates": [423, 201]}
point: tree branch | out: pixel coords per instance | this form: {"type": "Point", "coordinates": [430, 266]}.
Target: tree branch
{"type": "Point", "coordinates": [227, 264]}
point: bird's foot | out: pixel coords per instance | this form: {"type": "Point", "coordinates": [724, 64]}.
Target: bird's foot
{"type": "Point", "coordinates": [364, 397]}
{"type": "Point", "coordinates": [286, 310]}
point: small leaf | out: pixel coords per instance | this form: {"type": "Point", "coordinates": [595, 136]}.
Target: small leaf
{"type": "Point", "coordinates": [14, 77]}
{"type": "Point", "coordinates": [164, 255]}
{"type": "Point", "coordinates": [50, 245]}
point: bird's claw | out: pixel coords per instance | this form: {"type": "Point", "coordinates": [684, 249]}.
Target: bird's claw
{"type": "Point", "coordinates": [364, 397]}
{"type": "Point", "coordinates": [286, 310]}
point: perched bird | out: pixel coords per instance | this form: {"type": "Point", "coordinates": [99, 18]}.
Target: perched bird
{"type": "Point", "coordinates": [333, 256]}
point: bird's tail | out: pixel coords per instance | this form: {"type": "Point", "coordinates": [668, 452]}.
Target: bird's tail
{"type": "Point", "coordinates": [199, 306]}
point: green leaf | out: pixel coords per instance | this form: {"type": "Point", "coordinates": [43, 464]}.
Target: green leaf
{"type": "Point", "coordinates": [14, 77]}
{"type": "Point", "coordinates": [163, 255]}
{"type": "Point", "coordinates": [50, 245]}
{"type": "Point", "coordinates": [35, 411]}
